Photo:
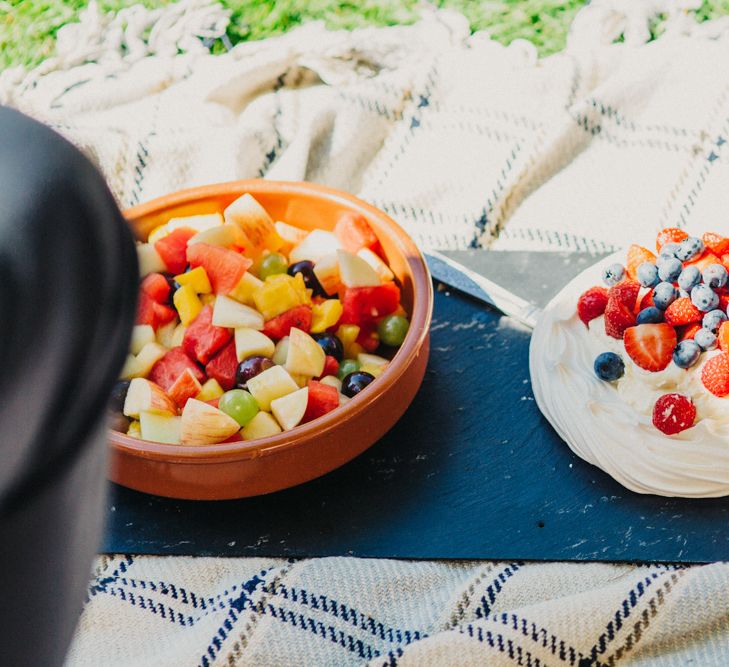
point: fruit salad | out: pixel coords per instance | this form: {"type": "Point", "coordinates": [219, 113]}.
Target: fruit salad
{"type": "Point", "coordinates": [662, 318]}
{"type": "Point", "coordinates": [248, 327]}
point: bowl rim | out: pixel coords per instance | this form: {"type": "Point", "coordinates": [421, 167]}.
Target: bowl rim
{"type": "Point", "coordinates": [420, 319]}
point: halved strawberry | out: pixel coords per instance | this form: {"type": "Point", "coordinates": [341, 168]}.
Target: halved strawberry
{"type": "Point", "coordinates": [702, 261]}
{"type": "Point", "coordinates": [687, 332]}
{"type": "Point", "coordinates": [618, 317]}
{"type": "Point", "coordinates": [715, 374]}
{"type": "Point", "coordinates": [650, 346]}
{"type": "Point", "coordinates": [681, 312]}
{"type": "Point", "coordinates": [636, 256]}
{"type": "Point", "coordinates": [626, 291]}
{"type": "Point", "coordinates": [716, 243]}
{"type": "Point", "coordinates": [591, 304]}
{"type": "Point", "coordinates": [670, 235]}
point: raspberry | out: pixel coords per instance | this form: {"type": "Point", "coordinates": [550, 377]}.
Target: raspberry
{"type": "Point", "coordinates": [618, 317]}
{"type": "Point", "coordinates": [687, 332]}
{"type": "Point", "coordinates": [681, 312]}
{"type": "Point", "coordinates": [626, 291]}
{"type": "Point", "coordinates": [673, 413]}
{"type": "Point", "coordinates": [722, 336]}
{"type": "Point", "coordinates": [715, 374]}
{"type": "Point", "coordinates": [636, 256]}
{"type": "Point", "coordinates": [592, 304]}
{"type": "Point", "coordinates": [670, 235]}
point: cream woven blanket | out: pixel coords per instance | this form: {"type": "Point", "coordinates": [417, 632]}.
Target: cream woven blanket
{"type": "Point", "coordinates": [465, 143]}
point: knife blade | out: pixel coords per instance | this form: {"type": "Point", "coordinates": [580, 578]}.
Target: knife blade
{"type": "Point", "coordinates": [456, 275]}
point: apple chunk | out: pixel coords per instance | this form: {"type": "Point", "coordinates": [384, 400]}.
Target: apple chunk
{"type": "Point", "coordinates": [305, 356]}
{"type": "Point", "coordinates": [261, 426]}
{"type": "Point", "coordinates": [249, 342]}
{"type": "Point", "coordinates": [203, 424]}
{"type": "Point", "coordinates": [289, 410]}
{"type": "Point", "coordinates": [316, 244]}
{"type": "Point", "coordinates": [146, 396]}
{"type": "Point", "coordinates": [356, 272]}
{"type": "Point", "coordinates": [223, 235]}
{"type": "Point", "coordinates": [160, 428]}
{"type": "Point", "coordinates": [273, 383]}
{"type": "Point", "coordinates": [229, 313]}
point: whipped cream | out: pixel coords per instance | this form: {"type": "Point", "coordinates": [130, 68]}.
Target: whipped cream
{"type": "Point", "coordinates": [609, 424]}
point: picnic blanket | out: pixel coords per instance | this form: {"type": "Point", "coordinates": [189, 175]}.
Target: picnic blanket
{"type": "Point", "coordinates": [466, 143]}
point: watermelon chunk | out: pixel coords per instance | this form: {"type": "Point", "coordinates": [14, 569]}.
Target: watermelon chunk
{"type": "Point", "coordinates": [331, 366]}
{"type": "Point", "coordinates": [224, 267]}
{"type": "Point", "coordinates": [323, 398]}
{"type": "Point", "coordinates": [362, 305]}
{"type": "Point", "coordinates": [155, 286]}
{"type": "Point", "coordinates": [173, 249]}
{"type": "Point", "coordinates": [355, 233]}
{"type": "Point", "coordinates": [166, 371]}
{"type": "Point", "coordinates": [202, 339]}
{"type": "Point", "coordinates": [224, 366]}
{"type": "Point", "coordinates": [145, 310]}
{"type": "Point", "coordinates": [368, 337]}
{"type": "Point", "coordinates": [185, 387]}
{"type": "Point", "coordinates": [280, 326]}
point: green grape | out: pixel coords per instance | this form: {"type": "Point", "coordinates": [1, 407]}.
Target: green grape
{"type": "Point", "coordinates": [393, 329]}
{"type": "Point", "coordinates": [239, 404]}
{"type": "Point", "coordinates": [272, 264]}
{"type": "Point", "coordinates": [346, 367]}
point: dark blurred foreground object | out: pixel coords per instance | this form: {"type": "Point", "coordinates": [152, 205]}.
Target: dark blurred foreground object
{"type": "Point", "coordinates": [68, 278]}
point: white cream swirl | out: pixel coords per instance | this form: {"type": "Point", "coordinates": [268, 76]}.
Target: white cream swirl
{"type": "Point", "coordinates": [609, 424]}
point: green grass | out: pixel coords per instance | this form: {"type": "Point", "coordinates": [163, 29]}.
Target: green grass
{"type": "Point", "coordinates": [28, 27]}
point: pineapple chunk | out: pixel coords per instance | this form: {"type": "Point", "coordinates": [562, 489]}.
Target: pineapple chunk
{"type": "Point", "coordinates": [188, 304]}
{"type": "Point", "coordinates": [210, 391]}
{"type": "Point", "coordinates": [149, 260]}
{"type": "Point", "coordinates": [262, 425]}
{"type": "Point", "coordinates": [289, 410]}
{"type": "Point", "coordinates": [197, 279]}
{"type": "Point", "coordinates": [160, 428]}
{"type": "Point", "coordinates": [197, 222]}
{"type": "Point", "coordinates": [229, 313]}
{"type": "Point", "coordinates": [374, 371]}
{"type": "Point", "coordinates": [273, 383]}
{"type": "Point", "coordinates": [325, 314]}
{"type": "Point", "coordinates": [276, 296]}
{"type": "Point", "coordinates": [348, 333]}
{"type": "Point", "coordinates": [208, 299]}
{"type": "Point", "coordinates": [255, 223]}
{"type": "Point", "coordinates": [141, 335]}
{"type": "Point", "coordinates": [380, 268]}
{"type": "Point", "coordinates": [135, 429]}
{"type": "Point", "coordinates": [224, 235]}
{"type": "Point", "coordinates": [243, 291]}
{"type": "Point", "coordinates": [249, 342]}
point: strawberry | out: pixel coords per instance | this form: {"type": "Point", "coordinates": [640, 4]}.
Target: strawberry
{"type": "Point", "coordinates": [702, 261]}
{"type": "Point", "coordinates": [725, 261]}
{"type": "Point", "coordinates": [626, 291]}
{"type": "Point", "coordinates": [722, 337]}
{"type": "Point", "coordinates": [647, 300]}
{"type": "Point", "coordinates": [682, 311]}
{"type": "Point", "coordinates": [670, 235]}
{"type": "Point", "coordinates": [716, 243]}
{"type": "Point", "coordinates": [673, 413]}
{"type": "Point", "coordinates": [591, 304]}
{"type": "Point", "coordinates": [715, 374]}
{"type": "Point", "coordinates": [636, 256]}
{"type": "Point", "coordinates": [723, 301]}
{"type": "Point", "coordinates": [618, 317]}
{"type": "Point", "coordinates": [687, 332]}
{"type": "Point", "coordinates": [650, 346]}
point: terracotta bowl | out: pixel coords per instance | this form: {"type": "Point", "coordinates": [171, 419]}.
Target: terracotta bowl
{"type": "Point", "coordinates": [241, 469]}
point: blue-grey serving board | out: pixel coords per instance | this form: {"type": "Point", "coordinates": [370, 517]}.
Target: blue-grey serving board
{"type": "Point", "coordinates": [471, 471]}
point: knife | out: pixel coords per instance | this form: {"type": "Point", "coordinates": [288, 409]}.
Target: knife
{"type": "Point", "coordinates": [456, 275]}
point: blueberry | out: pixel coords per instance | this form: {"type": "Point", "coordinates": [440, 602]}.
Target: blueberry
{"type": "Point", "coordinates": [705, 339]}
{"type": "Point", "coordinates": [715, 275]}
{"type": "Point", "coordinates": [331, 345]}
{"type": "Point", "coordinates": [704, 298]}
{"type": "Point", "coordinates": [668, 250]}
{"type": "Point", "coordinates": [689, 277]}
{"type": "Point", "coordinates": [664, 294]}
{"type": "Point", "coordinates": [355, 382]}
{"type": "Point", "coordinates": [650, 315]}
{"type": "Point", "coordinates": [609, 366]}
{"type": "Point", "coordinates": [689, 248]}
{"type": "Point", "coordinates": [713, 319]}
{"type": "Point", "coordinates": [613, 274]}
{"type": "Point", "coordinates": [119, 395]}
{"type": "Point", "coordinates": [686, 354]}
{"type": "Point", "coordinates": [670, 269]}
{"type": "Point", "coordinates": [647, 274]}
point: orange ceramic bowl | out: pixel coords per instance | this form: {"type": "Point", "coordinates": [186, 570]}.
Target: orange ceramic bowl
{"type": "Point", "coordinates": [240, 469]}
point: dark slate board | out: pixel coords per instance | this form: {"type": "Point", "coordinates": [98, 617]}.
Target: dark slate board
{"type": "Point", "coordinates": [471, 471]}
